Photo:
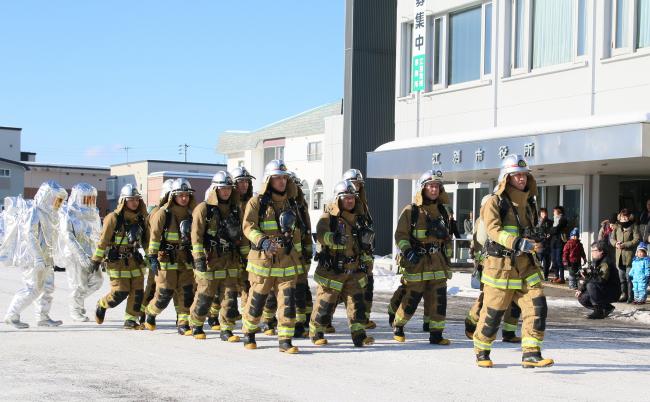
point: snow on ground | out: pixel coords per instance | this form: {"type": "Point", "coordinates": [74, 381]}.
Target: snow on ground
{"type": "Point", "coordinates": [84, 361]}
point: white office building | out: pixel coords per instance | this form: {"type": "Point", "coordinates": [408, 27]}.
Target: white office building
{"type": "Point", "coordinates": [564, 82]}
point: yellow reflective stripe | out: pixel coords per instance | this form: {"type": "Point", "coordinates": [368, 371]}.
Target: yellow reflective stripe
{"type": "Point", "coordinates": [121, 240]}
{"type": "Point", "coordinates": [357, 327]}
{"type": "Point", "coordinates": [168, 266]}
{"type": "Point", "coordinates": [419, 233]}
{"type": "Point", "coordinates": [183, 317]}
{"type": "Point", "coordinates": [172, 236]}
{"type": "Point", "coordinates": [211, 275]}
{"type": "Point", "coordinates": [366, 258]}
{"type": "Point", "coordinates": [437, 324]}
{"type": "Point", "coordinates": [315, 328]}
{"type": "Point", "coordinates": [233, 272]}
{"type": "Point", "coordinates": [154, 246]}
{"type": "Point", "coordinates": [328, 238]}
{"type": "Point", "coordinates": [269, 225]}
{"type": "Point", "coordinates": [298, 247]}
{"type": "Point", "coordinates": [198, 248]}
{"type": "Point", "coordinates": [509, 327]}
{"type": "Point", "coordinates": [424, 276]}
{"type": "Point", "coordinates": [285, 332]}
{"type": "Point", "coordinates": [274, 272]}
{"type": "Point", "coordinates": [212, 232]}
{"type": "Point", "coordinates": [124, 274]}
{"type": "Point", "coordinates": [482, 345]}
{"type": "Point", "coordinates": [529, 342]}
{"type": "Point", "coordinates": [128, 316]}
{"type": "Point", "coordinates": [513, 230]}
{"type": "Point", "coordinates": [501, 283]}
{"type": "Point", "coordinates": [244, 249]}
{"type": "Point", "coordinates": [196, 323]}
{"type": "Point", "coordinates": [100, 252]}
{"type": "Point", "coordinates": [363, 282]}
{"type": "Point", "coordinates": [403, 244]}
{"type": "Point", "coordinates": [471, 319]}
{"type": "Point", "coordinates": [328, 283]}
{"type": "Point", "coordinates": [504, 238]}
{"type": "Point", "coordinates": [533, 279]}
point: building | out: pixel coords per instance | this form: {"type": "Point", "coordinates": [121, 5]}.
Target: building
{"type": "Point", "coordinates": [12, 170]}
{"type": "Point", "coordinates": [67, 176]}
{"type": "Point", "coordinates": [564, 83]}
{"type": "Point", "coordinates": [200, 183]}
{"type": "Point", "coordinates": [137, 173]}
{"type": "Point", "coordinates": [310, 143]}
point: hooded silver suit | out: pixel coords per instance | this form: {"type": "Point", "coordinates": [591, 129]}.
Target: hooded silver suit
{"type": "Point", "coordinates": [31, 247]}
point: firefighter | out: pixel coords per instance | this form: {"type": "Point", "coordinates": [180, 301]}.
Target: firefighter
{"type": "Point", "coordinates": [422, 235]}
{"type": "Point", "coordinates": [150, 287]}
{"type": "Point", "coordinates": [216, 238]}
{"type": "Point", "coordinates": [355, 176]}
{"type": "Point", "coordinates": [123, 234]}
{"type": "Point", "coordinates": [510, 271]}
{"type": "Point", "coordinates": [512, 314]}
{"type": "Point", "coordinates": [170, 256]}
{"type": "Point", "coordinates": [304, 299]}
{"type": "Point", "coordinates": [341, 272]}
{"type": "Point", "coordinates": [270, 224]}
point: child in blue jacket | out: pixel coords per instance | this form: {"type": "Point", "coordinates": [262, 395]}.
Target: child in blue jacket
{"type": "Point", "coordinates": [640, 273]}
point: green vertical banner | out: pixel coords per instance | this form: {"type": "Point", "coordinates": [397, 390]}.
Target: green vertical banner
{"type": "Point", "coordinates": [419, 47]}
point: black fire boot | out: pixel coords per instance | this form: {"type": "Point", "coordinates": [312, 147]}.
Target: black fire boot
{"type": "Point", "coordinates": [100, 313]}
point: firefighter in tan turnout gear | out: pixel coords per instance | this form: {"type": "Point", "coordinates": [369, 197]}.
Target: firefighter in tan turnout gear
{"type": "Point", "coordinates": [123, 234]}
{"type": "Point", "coordinates": [216, 238]}
{"type": "Point", "coordinates": [365, 221]}
{"type": "Point", "coordinates": [270, 223]}
{"type": "Point", "coordinates": [341, 269]}
{"type": "Point", "coordinates": [422, 235]}
{"type": "Point", "coordinates": [170, 256]}
{"type": "Point", "coordinates": [510, 271]}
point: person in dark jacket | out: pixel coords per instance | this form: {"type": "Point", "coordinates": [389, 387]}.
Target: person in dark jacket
{"type": "Point", "coordinates": [453, 227]}
{"type": "Point", "coordinates": [624, 239]}
{"type": "Point", "coordinates": [558, 238]}
{"type": "Point", "coordinates": [545, 224]}
{"type": "Point", "coordinates": [600, 286]}
{"type": "Point", "coordinates": [644, 218]}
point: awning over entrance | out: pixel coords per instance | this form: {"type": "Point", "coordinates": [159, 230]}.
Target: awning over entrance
{"type": "Point", "coordinates": [597, 145]}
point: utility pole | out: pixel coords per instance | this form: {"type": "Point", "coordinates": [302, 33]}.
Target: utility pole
{"type": "Point", "coordinates": [126, 148]}
{"type": "Point", "coordinates": [182, 150]}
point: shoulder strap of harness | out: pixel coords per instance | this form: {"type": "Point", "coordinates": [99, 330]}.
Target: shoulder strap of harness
{"type": "Point", "coordinates": [119, 224]}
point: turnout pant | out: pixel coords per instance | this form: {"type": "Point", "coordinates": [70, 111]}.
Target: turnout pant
{"type": "Point", "coordinates": [131, 289]}
{"type": "Point", "coordinates": [510, 317]}
{"type": "Point", "coordinates": [207, 289]}
{"type": "Point", "coordinates": [150, 291]}
{"type": "Point", "coordinates": [496, 301]}
{"type": "Point", "coordinates": [434, 293]}
{"type": "Point", "coordinates": [174, 281]}
{"type": "Point", "coordinates": [349, 287]}
{"type": "Point", "coordinates": [284, 289]}
{"type": "Point", "coordinates": [304, 302]}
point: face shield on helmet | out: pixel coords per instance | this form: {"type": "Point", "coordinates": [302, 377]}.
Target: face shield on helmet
{"type": "Point", "coordinates": [181, 186]}
{"type": "Point", "coordinates": [344, 188]}
{"type": "Point", "coordinates": [240, 173]}
{"type": "Point", "coordinates": [430, 176]}
{"type": "Point", "coordinates": [83, 195]}
{"type": "Point", "coordinates": [129, 192]}
{"type": "Point", "coordinates": [513, 164]}
{"type": "Point", "coordinates": [222, 179]}
{"type": "Point", "coordinates": [275, 168]}
{"type": "Point", "coordinates": [353, 175]}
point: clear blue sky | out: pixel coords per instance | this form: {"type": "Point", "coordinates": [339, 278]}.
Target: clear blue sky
{"type": "Point", "coordinates": [84, 78]}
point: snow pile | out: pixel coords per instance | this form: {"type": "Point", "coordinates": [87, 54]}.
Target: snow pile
{"type": "Point", "coordinates": [632, 315]}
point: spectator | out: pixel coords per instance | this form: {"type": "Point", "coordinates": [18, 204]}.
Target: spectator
{"type": "Point", "coordinates": [453, 227]}
{"type": "Point", "coordinates": [545, 224]}
{"type": "Point", "coordinates": [606, 228]}
{"type": "Point", "coordinates": [558, 238]}
{"type": "Point", "coordinates": [624, 239]}
{"type": "Point", "coordinates": [468, 225]}
{"type": "Point", "coordinates": [600, 287]}
{"type": "Point", "coordinates": [573, 256]}
{"type": "Point", "coordinates": [640, 273]}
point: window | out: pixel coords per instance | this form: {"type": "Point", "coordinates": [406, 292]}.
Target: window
{"type": "Point", "coordinates": [487, 38]}
{"type": "Point", "coordinates": [407, 37]}
{"type": "Point", "coordinates": [465, 46]}
{"type": "Point", "coordinates": [547, 33]}
{"type": "Point", "coordinates": [318, 195]}
{"type": "Point", "coordinates": [271, 153]}
{"type": "Point", "coordinates": [630, 25]}
{"type": "Point", "coordinates": [314, 151]}
{"type": "Point", "coordinates": [5, 173]}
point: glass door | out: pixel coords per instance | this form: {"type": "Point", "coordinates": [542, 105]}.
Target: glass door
{"type": "Point", "coordinates": [572, 203]}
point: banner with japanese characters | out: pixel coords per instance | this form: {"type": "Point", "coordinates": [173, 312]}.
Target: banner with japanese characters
{"type": "Point", "coordinates": [418, 50]}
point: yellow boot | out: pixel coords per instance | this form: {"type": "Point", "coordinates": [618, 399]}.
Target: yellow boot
{"type": "Point", "coordinates": [483, 359]}
{"type": "Point", "coordinates": [535, 359]}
